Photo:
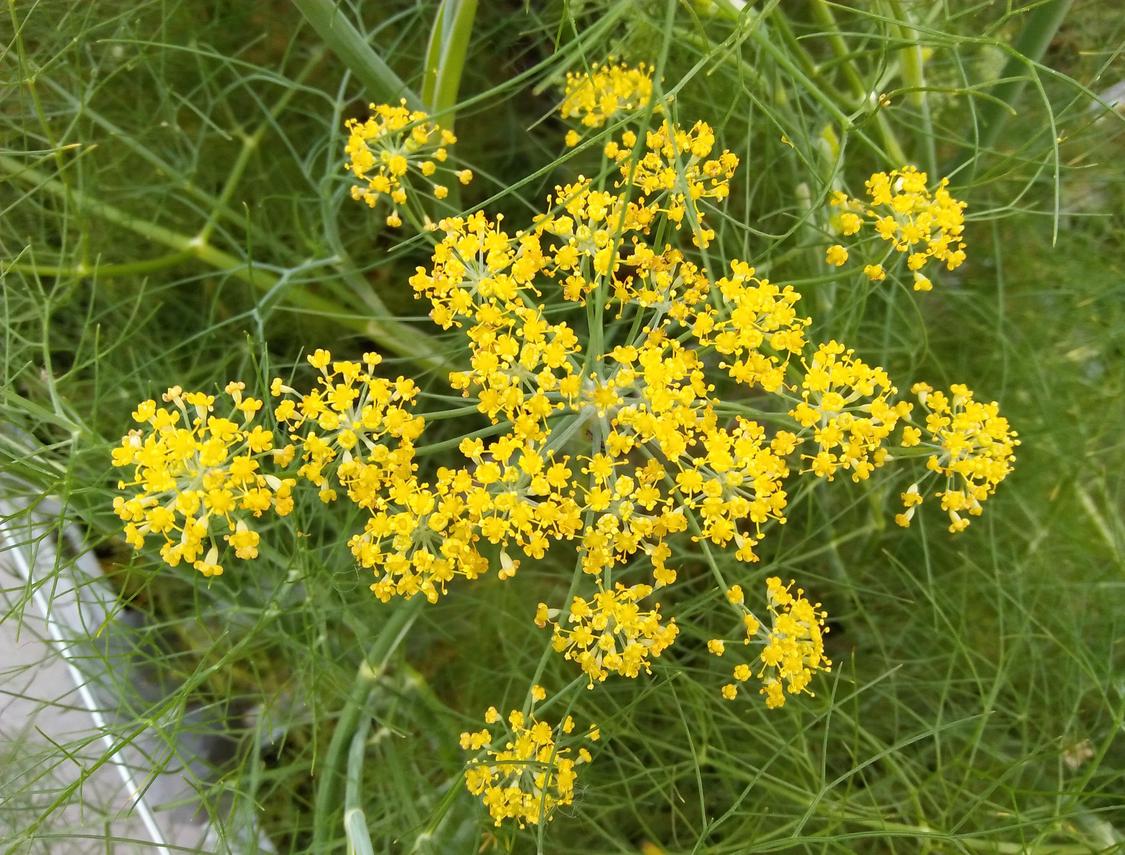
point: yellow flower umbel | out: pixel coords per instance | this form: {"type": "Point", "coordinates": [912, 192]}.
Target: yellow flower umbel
{"type": "Point", "coordinates": [478, 271]}
{"type": "Point", "coordinates": [660, 452]}
{"type": "Point", "coordinates": [418, 538]}
{"type": "Point", "coordinates": [755, 329]}
{"type": "Point", "coordinates": [922, 225]}
{"type": "Point", "coordinates": [847, 405]}
{"type": "Point", "coordinates": [973, 447]}
{"type": "Point", "coordinates": [196, 474]}
{"type": "Point", "coordinates": [734, 485]}
{"type": "Point", "coordinates": [793, 644]}
{"type": "Point", "coordinates": [626, 392]}
{"type": "Point", "coordinates": [583, 235]}
{"type": "Point", "coordinates": [394, 147]}
{"type": "Point", "coordinates": [534, 772]}
{"type": "Point", "coordinates": [610, 632]}
{"type": "Point", "coordinates": [514, 494]}
{"type": "Point", "coordinates": [794, 648]}
{"type": "Point", "coordinates": [666, 281]}
{"type": "Point", "coordinates": [594, 97]}
{"type": "Point", "coordinates": [675, 172]}
{"type": "Point", "coordinates": [353, 429]}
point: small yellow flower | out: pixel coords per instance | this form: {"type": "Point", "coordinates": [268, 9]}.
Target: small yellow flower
{"type": "Point", "coordinates": [794, 648]}
{"type": "Point", "coordinates": [848, 407]}
{"type": "Point", "coordinates": [836, 255]}
{"type": "Point", "coordinates": [610, 633]}
{"type": "Point", "coordinates": [675, 173]}
{"type": "Point", "coordinates": [756, 329]}
{"type": "Point", "coordinates": [850, 223]}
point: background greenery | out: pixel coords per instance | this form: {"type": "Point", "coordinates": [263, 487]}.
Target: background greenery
{"type": "Point", "coordinates": [173, 210]}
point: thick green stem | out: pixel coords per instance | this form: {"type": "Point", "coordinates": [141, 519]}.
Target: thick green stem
{"type": "Point", "coordinates": [455, 413]}
{"type": "Point", "coordinates": [491, 430]}
{"type": "Point", "coordinates": [913, 72]}
{"type": "Point", "coordinates": [391, 334]}
{"type": "Point", "coordinates": [1029, 47]}
{"type": "Point", "coordinates": [855, 80]}
{"type": "Point", "coordinates": [355, 820]}
{"type": "Point", "coordinates": [101, 271]}
{"type": "Point", "coordinates": [433, 54]}
{"type": "Point", "coordinates": [445, 63]}
{"type": "Point", "coordinates": [349, 44]}
{"type": "Point", "coordinates": [251, 142]}
{"type": "Point", "coordinates": [445, 57]}
{"type": "Point", "coordinates": [370, 670]}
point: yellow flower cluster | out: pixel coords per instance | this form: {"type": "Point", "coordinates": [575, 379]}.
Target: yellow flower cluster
{"type": "Point", "coordinates": [792, 646]}
{"type": "Point", "coordinates": [594, 97]}
{"type": "Point", "coordinates": [533, 774]}
{"type": "Point", "coordinates": [414, 544]}
{"type": "Point", "coordinates": [477, 266]}
{"type": "Point", "coordinates": [754, 329]}
{"type": "Point", "coordinates": [974, 448]}
{"type": "Point", "coordinates": [582, 235]}
{"type": "Point", "coordinates": [738, 486]}
{"type": "Point", "coordinates": [338, 426]}
{"type": "Point", "coordinates": [665, 281]}
{"type": "Point", "coordinates": [620, 383]}
{"type": "Point", "coordinates": [674, 172]}
{"type": "Point", "coordinates": [847, 405]}
{"type": "Point", "coordinates": [610, 633]}
{"type": "Point", "coordinates": [922, 225]}
{"type": "Point", "coordinates": [515, 495]}
{"type": "Point", "coordinates": [522, 367]}
{"type": "Point", "coordinates": [195, 473]}
{"type": "Point", "coordinates": [630, 514]}
{"type": "Point", "coordinates": [384, 149]}
{"type": "Point", "coordinates": [660, 450]}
